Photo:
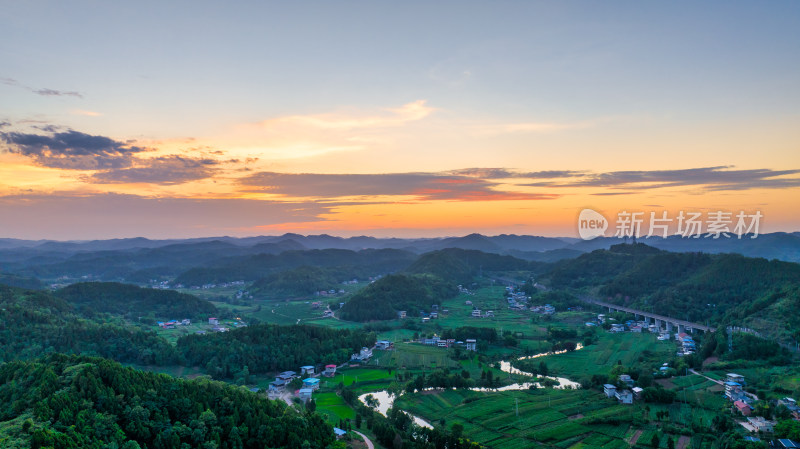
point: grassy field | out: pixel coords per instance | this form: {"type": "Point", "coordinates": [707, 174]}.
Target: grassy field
{"type": "Point", "coordinates": [625, 348]}
{"type": "Point", "coordinates": [522, 418]}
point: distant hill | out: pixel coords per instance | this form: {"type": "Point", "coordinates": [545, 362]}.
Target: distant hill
{"type": "Point", "coordinates": [133, 302]}
{"type": "Point", "coordinates": [460, 266]}
{"type": "Point", "coordinates": [300, 281]}
{"type": "Point", "coordinates": [19, 281]}
{"type": "Point", "coordinates": [350, 264]}
{"type": "Point", "coordinates": [382, 299]}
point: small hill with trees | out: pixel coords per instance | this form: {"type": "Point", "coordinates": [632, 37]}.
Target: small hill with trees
{"type": "Point", "coordinates": [382, 299]}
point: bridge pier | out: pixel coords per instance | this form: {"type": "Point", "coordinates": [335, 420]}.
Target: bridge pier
{"type": "Point", "coordinates": [669, 326]}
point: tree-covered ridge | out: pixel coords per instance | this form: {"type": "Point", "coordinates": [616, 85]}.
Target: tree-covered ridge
{"type": "Point", "coordinates": [358, 264]}
{"type": "Point", "coordinates": [13, 280]}
{"type": "Point", "coordinates": [33, 323]}
{"type": "Point", "coordinates": [265, 348]}
{"type": "Point", "coordinates": [460, 266]}
{"type": "Point", "coordinates": [382, 299]}
{"type": "Point", "coordinates": [720, 289]}
{"type": "Point", "coordinates": [301, 281]}
{"type": "Point", "coordinates": [91, 403]}
{"type": "Point", "coordinates": [134, 302]}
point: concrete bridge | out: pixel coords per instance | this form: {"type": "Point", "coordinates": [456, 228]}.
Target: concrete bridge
{"type": "Point", "coordinates": [659, 320]}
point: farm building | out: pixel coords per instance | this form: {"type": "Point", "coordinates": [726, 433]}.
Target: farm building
{"type": "Point", "coordinates": [330, 371]}
{"type": "Point", "coordinates": [311, 382]}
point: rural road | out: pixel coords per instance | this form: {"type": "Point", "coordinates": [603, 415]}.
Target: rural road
{"type": "Point", "coordinates": [366, 440]}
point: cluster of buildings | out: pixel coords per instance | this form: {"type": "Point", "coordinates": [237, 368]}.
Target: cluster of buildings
{"type": "Point", "coordinates": [478, 313]}
{"type": "Point", "coordinates": [469, 344]}
{"type": "Point", "coordinates": [362, 356]}
{"type": "Point", "coordinates": [427, 316]}
{"type": "Point", "coordinates": [546, 309]}
{"type": "Point", "coordinates": [330, 292]}
{"type": "Point", "coordinates": [624, 395]}
{"type": "Point", "coordinates": [210, 286]}
{"type": "Point", "coordinates": [310, 383]}
{"type": "Point", "coordinates": [687, 344]}
{"type": "Point", "coordinates": [172, 324]}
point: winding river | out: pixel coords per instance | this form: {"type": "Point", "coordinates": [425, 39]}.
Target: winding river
{"type": "Point", "coordinates": [386, 399]}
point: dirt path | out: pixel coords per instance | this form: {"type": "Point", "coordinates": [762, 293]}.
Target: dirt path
{"type": "Point", "coordinates": [366, 440]}
{"type": "Point", "coordinates": [635, 437]}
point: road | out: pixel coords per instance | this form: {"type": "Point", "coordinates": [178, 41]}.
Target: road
{"type": "Point", "coordinates": [366, 440]}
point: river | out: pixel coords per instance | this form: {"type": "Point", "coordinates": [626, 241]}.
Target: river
{"type": "Point", "coordinates": [385, 399]}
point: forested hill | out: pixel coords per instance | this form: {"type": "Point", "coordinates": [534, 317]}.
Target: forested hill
{"type": "Point", "coordinates": [13, 280]}
{"type": "Point", "coordinates": [33, 323]}
{"type": "Point", "coordinates": [382, 299]}
{"type": "Point", "coordinates": [300, 281]}
{"type": "Point", "coordinates": [716, 288]}
{"type": "Point", "coordinates": [90, 403]}
{"type": "Point", "coordinates": [349, 264]}
{"type": "Point", "coordinates": [460, 266]}
{"type": "Point", "coordinates": [134, 302]}
{"type": "Point", "coordinates": [265, 348]}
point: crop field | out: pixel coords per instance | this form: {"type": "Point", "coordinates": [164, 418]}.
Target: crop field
{"type": "Point", "coordinates": [610, 349]}
{"type": "Point", "coordinates": [333, 407]}
{"type": "Point", "coordinates": [519, 418]}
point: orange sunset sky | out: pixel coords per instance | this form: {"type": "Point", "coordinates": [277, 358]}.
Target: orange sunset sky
{"type": "Point", "coordinates": [410, 119]}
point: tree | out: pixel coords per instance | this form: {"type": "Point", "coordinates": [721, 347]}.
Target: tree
{"type": "Point", "coordinates": [654, 441]}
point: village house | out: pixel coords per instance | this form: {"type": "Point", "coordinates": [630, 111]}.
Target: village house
{"type": "Point", "coordinates": [761, 424]}
{"type": "Point", "coordinates": [624, 396]}
{"type": "Point", "coordinates": [384, 345]}
{"type": "Point", "coordinates": [213, 321]}
{"type": "Point", "coordinates": [277, 385]}
{"type": "Point", "coordinates": [626, 379]}
{"type": "Point", "coordinates": [311, 382]}
{"type": "Point", "coordinates": [186, 322]}
{"type": "Point", "coordinates": [441, 343]}
{"type": "Point", "coordinates": [733, 390]}
{"type": "Point", "coordinates": [308, 369]}
{"type": "Point", "coordinates": [738, 378]}
{"type": "Point", "coordinates": [305, 394]}
{"type": "Point", "coordinates": [426, 319]}
{"type": "Point", "coordinates": [742, 408]}
{"type": "Point", "coordinates": [476, 313]}
{"type": "Point", "coordinates": [637, 393]}
{"type": "Point", "coordinates": [609, 390]}
{"type": "Point", "coordinates": [401, 314]}
{"type": "Point", "coordinates": [330, 371]}
{"type": "Point", "coordinates": [362, 356]}
{"type": "Point", "coordinates": [434, 315]}
{"type": "Point", "coordinates": [471, 344]}
{"type": "Point", "coordinates": [489, 313]}
{"type": "Point", "coordinates": [287, 375]}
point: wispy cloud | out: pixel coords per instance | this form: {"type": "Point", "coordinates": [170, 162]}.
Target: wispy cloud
{"type": "Point", "coordinates": [423, 186]}
{"type": "Point", "coordinates": [85, 113]}
{"type": "Point", "coordinates": [45, 92]}
{"type": "Point", "coordinates": [165, 170]}
{"type": "Point", "coordinates": [388, 117]}
{"type": "Point", "coordinates": [709, 178]}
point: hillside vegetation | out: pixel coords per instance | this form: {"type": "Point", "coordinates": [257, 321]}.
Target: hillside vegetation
{"type": "Point", "coordinates": [301, 281]}
{"type": "Point", "coordinates": [716, 288]}
{"type": "Point", "coordinates": [267, 348]}
{"type": "Point", "coordinates": [460, 266]}
{"type": "Point", "coordinates": [33, 323]}
{"type": "Point", "coordinates": [91, 403]}
{"type": "Point", "coordinates": [382, 299]}
{"type": "Point", "coordinates": [134, 302]}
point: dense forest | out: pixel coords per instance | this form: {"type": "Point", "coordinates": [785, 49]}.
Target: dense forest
{"type": "Point", "coordinates": [719, 289]}
{"type": "Point", "coordinates": [460, 266]}
{"type": "Point", "coordinates": [382, 299]}
{"type": "Point", "coordinates": [350, 264]}
{"type": "Point", "coordinates": [134, 302]}
{"type": "Point", "coordinates": [265, 348]}
{"type": "Point", "coordinates": [33, 323]}
{"type": "Point", "coordinates": [300, 281]}
{"type": "Point", "coordinates": [65, 402]}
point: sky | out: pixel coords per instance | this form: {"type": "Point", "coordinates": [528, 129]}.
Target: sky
{"type": "Point", "coordinates": [408, 119]}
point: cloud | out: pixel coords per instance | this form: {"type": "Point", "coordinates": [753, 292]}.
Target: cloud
{"type": "Point", "coordinates": [45, 92]}
{"type": "Point", "coordinates": [85, 113]}
{"type": "Point", "coordinates": [710, 178]}
{"type": "Point", "coordinates": [165, 170]}
{"type": "Point", "coordinates": [391, 117]}
{"type": "Point", "coordinates": [503, 173]}
{"type": "Point", "coordinates": [72, 150]}
{"type": "Point", "coordinates": [424, 186]}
